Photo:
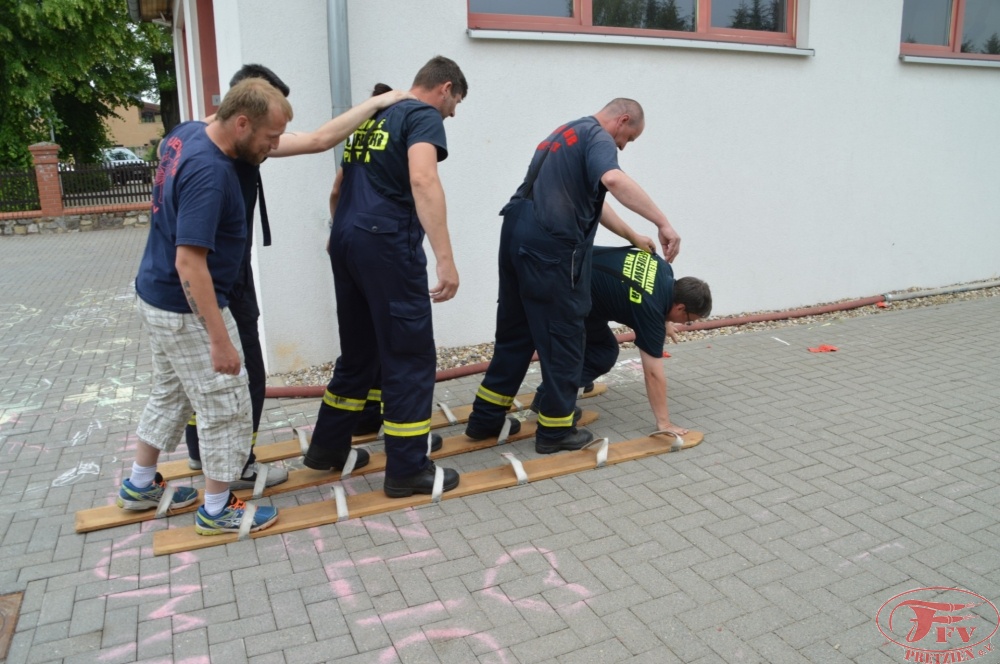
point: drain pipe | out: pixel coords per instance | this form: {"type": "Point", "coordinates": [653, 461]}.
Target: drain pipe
{"type": "Point", "coordinates": [339, 54]}
{"type": "Point", "coordinates": [472, 369]}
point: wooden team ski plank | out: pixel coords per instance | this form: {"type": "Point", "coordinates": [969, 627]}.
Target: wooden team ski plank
{"type": "Point", "coordinates": [289, 449]}
{"type": "Point", "coordinates": [112, 516]}
{"type": "Point", "coordinates": [176, 540]}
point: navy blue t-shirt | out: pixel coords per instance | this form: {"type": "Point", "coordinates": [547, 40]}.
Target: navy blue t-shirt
{"type": "Point", "coordinates": [196, 202]}
{"type": "Point", "coordinates": [568, 192]}
{"type": "Point", "coordinates": [381, 144]}
{"type": "Point", "coordinates": [634, 288]}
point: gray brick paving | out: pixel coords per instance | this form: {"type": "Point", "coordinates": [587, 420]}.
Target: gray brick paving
{"type": "Point", "coordinates": [826, 484]}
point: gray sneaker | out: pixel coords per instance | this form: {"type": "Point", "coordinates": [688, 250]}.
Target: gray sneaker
{"type": "Point", "coordinates": [275, 475]}
{"type": "Point", "coordinates": [194, 464]}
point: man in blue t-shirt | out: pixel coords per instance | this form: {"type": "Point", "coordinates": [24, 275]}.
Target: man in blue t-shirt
{"type": "Point", "coordinates": [243, 297]}
{"type": "Point", "coordinates": [191, 261]}
{"type": "Point", "coordinates": [390, 197]}
{"type": "Point", "coordinates": [545, 253]}
{"type": "Point", "coordinates": [637, 288]}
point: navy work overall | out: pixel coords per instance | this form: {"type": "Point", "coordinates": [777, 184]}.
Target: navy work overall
{"type": "Point", "coordinates": [544, 299]}
{"type": "Point", "coordinates": [384, 317]}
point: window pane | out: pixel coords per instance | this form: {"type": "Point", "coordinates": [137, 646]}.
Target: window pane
{"type": "Point", "coordinates": [650, 14]}
{"type": "Point", "coordinates": [927, 22]}
{"type": "Point", "coordinates": [981, 30]}
{"type": "Point", "coordinates": [560, 8]}
{"type": "Point", "coordinates": [766, 15]}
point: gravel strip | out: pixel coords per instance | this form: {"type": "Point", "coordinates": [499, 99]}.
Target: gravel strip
{"type": "Point", "coordinates": [448, 358]}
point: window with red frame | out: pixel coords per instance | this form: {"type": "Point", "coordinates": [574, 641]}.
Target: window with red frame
{"type": "Point", "coordinates": [752, 21]}
{"type": "Point", "coordinates": [951, 28]}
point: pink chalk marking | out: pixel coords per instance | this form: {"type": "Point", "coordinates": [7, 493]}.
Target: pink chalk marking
{"type": "Point", "coordinates": [391, 654]}
{"type": "Point", "coordinates": [183, 623]}
{"type": "Point", "coordinates": [429, 554]}
{"type": "Point", "coordinates": [426, 612]}
{"type": "Point", "coordinates": [162, 635]}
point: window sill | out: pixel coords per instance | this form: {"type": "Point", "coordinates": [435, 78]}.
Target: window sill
{"type": "Point", "coordinates": [954, 62]}
{"type": "Point", "coordinates": [578, 38]}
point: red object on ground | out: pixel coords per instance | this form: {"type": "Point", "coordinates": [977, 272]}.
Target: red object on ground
{"type": "Point", "coordinates": [666, 354]}
{"type": "Point", "coordinates": [823, 349]}
{"type": "Point", "coordinates": [882, 305]}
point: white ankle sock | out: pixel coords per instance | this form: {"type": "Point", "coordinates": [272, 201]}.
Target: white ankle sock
{"type": "Point", "coordinates": [142, 476]}
{"type": "Point", "coordinates": [216, 502]}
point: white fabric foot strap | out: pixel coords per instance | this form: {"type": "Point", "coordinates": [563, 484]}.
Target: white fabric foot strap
{"type": "Point", "coordinates": [352, 460]}
{"type": "Point", "coordinates": [341, 498]}
{"type": "Point", "coordinates": [246, 523]}
{"type": "Point", "coordinates": [515, 463]}
{"type": "Point", "coordinates": [602, 451]}
{"type": "Point", "coordinates": [504, 431]}
{"type": "Point", "coordinates": [678, 441]}
{"type": "Point", "coordinates": [518, 406]}
{"type": "Point", "coordinates": [165, 500]}
{"type": "Point", "coordinates": [303, 441]}
{"type": "Point", "coordinates": [450, 416]}
{"type": "Point", "coordinates": [430, 443]}
{"type": "Point", "coordinates": [438, 489]}
{"type": "Point", "coordinates": [381, 433]}
{"type": "Point", "coordinates": [261, 483]}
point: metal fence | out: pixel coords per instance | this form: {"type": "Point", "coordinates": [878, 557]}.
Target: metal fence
{"type": "Point", "coordinates": [105, 184]}
{"type": "Point", "coordinates": [18, 191]}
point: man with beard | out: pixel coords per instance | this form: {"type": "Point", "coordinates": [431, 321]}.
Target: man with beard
{"type": "Point", "coordinates": [192, 258]}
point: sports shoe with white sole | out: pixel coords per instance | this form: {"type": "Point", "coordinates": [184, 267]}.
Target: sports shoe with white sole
{"type": "Point", "coordinates": [230, 518]}
{"type": "Point", "coordinates": [275, 475]}
{"type": "Point", "coordinates": [131, 498]}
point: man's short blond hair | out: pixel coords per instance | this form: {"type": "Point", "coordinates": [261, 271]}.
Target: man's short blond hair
{"type": "Point", "coordinates": [254, 98]}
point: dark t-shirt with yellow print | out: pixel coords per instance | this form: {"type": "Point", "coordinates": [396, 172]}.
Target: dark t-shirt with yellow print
{"type": "Point", "coordinates": [381, 146]}
{"type": "Point", "coordinates": [633, 288]}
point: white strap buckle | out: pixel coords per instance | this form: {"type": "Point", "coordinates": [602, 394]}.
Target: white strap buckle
{"type": "Point", "coordinates": [438, 490]}
{"type": "Point", "coordinates": [303, 441]}
{"type": "Point", "coordinates": [522, 476]}
{"type": "Point", "coordinates": [341, 498]}
{"type": "Point", "coordinates": [450, 416]}
{"type": "Point", "coordinates": [261, 483]}
{"type": "Point", "coordinates": [165, 500]}
{"type": "Point", "coordinates": [504, 431]}
{"type": "Point", "coordinates": [602, 451]}
{"type": "Point", "coordinates": [352, 460]}
{"type": "Point", "coordinates": [246, 523]}
{"type": "Point", "coordinates": [678, 443]}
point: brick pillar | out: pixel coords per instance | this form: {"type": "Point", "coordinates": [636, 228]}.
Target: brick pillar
{"type": "Point", "coordinates": [46, 157]}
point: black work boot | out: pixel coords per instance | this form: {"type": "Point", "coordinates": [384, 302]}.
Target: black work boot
{"type": "Point", "coordinates": [324, 460]}
{"type": "Point", "coordinates": [436, 442]}
{"type": "Point", "coordinates": [588, 388]}
{"type": "Point", "coordinates": [475, 433]}
{"type": "Point", "coordinates": [573, 440]}
{"type": "Point", "coordinates": [422, 482]}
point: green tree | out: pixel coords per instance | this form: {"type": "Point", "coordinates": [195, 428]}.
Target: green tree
{"type": "Point", "coordinates": [759, 15]}
{"type": "Point", "coordinates": [992, 45]}
{"type": "Point", "coordinates": [65, 65]}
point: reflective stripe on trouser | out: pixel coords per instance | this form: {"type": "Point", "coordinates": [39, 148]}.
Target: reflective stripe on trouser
{"type": "Point", "coordinates": [544, 296]}
{"type": "Point", "coordinates": [384, 318]}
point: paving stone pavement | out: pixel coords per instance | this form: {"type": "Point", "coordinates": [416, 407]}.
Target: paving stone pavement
{"type": "Point", "coordinates": [826, 485]}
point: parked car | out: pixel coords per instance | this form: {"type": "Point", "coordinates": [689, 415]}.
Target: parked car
{"type": "Point", "coordinates": [126, 166]}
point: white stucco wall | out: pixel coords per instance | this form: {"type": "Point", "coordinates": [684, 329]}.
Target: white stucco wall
{"type": "Point", "coordinates": [792, 180]}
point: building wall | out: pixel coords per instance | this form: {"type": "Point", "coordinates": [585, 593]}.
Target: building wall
{"type": "Point", "coordinates": [129, 131]}
{"type": "Point", "coordinates": [792, 180]}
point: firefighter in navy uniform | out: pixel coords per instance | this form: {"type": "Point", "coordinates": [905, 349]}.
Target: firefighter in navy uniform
{"type": "Point", "coordinates": [390, 197]}
{"type": "Point", "coordinates": [545, 263]}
